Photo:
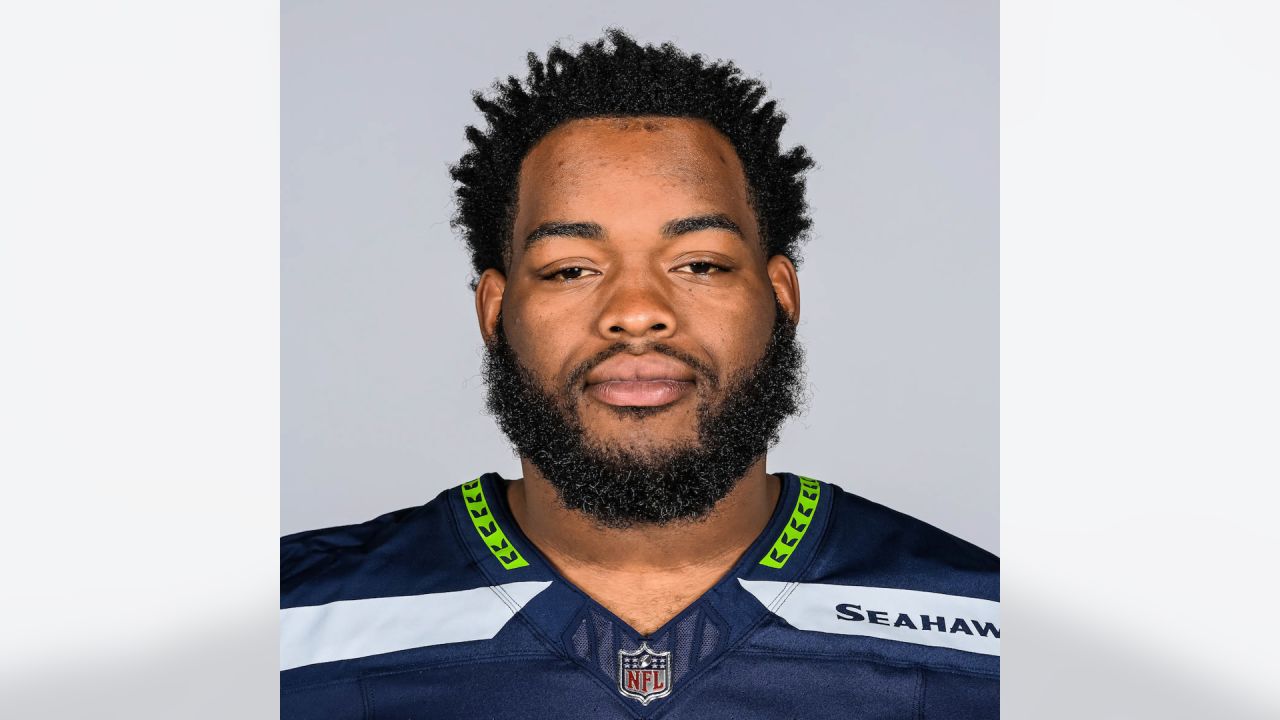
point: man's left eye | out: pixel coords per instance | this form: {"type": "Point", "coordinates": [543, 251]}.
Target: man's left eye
{"type": "Point", "coordinates": [701, 268]}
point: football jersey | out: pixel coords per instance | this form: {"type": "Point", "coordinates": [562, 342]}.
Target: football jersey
{"type": "Point", "coordinates": [841, 608]}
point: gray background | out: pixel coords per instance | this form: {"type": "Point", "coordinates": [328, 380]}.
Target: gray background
{"type": "Point", "coordinates": [898, 101]}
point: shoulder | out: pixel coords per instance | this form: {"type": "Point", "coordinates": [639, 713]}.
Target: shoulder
{"type": "Point", "coordinates": [871, 544]}
{"type": "Point", "coordinates": [885, 586]}
{"type": "Point", "coordinates": [408, 551]}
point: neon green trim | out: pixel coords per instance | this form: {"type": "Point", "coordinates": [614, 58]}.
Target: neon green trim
{"type": "Point", "coordinates": [801, 518]}
{"type": "Point", "coordinates": [490, 534]}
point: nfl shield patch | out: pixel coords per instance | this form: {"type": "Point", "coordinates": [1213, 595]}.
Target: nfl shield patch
{"type": "Point", "coordinates": [644, 674]}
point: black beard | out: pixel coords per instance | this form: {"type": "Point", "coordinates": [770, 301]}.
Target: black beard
{"type": "Point", "coordinates": [617, 486]}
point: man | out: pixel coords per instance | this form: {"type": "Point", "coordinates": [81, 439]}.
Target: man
{"type": "Point", "coordinates": [634, 226]}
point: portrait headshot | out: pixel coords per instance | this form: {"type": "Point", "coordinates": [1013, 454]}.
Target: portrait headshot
{"type": "Point", "coordinates": [639, 368]}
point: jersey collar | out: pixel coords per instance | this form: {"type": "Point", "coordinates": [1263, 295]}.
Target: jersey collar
{"type": "Point", "coordinates": [576, 626]}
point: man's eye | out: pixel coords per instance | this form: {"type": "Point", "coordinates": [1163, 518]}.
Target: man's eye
{"type": "Point", "coordinates": [701, 268]}
{"type": "Point", "coordinates": [567, 274]}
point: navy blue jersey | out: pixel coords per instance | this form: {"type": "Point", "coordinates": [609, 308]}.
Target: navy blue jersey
{"type": "Point", "coordinates": [841, 608]}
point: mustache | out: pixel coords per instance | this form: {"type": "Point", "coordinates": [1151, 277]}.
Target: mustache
{"type": "Point", "coordinates": [704, 371]}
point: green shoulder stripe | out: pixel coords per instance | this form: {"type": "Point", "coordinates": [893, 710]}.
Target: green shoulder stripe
{"type": "Point", "coordinates": [801, 516]}
{"type": "Point", "coordinates": [490, 534]}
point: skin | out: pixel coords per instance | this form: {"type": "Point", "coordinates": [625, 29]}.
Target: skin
{"type": "Point", "coordinates": [639, 279]}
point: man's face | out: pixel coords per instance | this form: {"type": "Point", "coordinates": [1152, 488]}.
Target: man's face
{"type": "Point", "coordinates": [638, 295]}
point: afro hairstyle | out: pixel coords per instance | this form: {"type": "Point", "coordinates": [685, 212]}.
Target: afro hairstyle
{"type": "Point", "coordinates": [625, 80]}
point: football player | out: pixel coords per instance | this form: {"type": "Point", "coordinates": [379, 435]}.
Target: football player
{"type": "Point", "coordinates": [635, 229]}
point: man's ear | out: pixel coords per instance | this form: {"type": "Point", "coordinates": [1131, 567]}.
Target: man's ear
{"type": "Point", "coordinates": [786, 284]}
{"type": "Point", "coordinates": [489, 291]}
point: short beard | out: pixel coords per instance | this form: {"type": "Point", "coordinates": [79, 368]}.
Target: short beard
{"type": "Point", "coordinates": [620, 486]}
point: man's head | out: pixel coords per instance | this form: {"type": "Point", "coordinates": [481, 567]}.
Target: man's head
{"type": "Point", "coordinates": [635, 229]}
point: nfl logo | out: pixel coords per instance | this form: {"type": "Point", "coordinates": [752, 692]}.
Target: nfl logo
{"type": "Point", "coordinates": [644, 674]}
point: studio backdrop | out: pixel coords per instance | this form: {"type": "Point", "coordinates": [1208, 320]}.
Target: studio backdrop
{"type": "Point", "coordinates": [382, 400]}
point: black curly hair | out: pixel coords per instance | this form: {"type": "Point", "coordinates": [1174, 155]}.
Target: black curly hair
{"type": "Point", "coordinates": [627, 80]}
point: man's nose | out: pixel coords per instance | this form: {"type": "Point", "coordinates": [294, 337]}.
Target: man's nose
{"type": "Point", "coordinates": [637, 308]}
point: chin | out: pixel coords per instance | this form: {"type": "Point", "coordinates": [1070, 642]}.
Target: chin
{"type": "Point", "coordinates": [636, 412]}
{"type": "Point", "coordinates": [642, 446]}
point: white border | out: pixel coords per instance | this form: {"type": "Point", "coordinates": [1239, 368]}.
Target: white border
{"type": "Point", "coordinates": [138, 298]}
{"type": "Point", "coordinates": [1140, 319]}
{"type": "Point", "coordinates": [139, 286]}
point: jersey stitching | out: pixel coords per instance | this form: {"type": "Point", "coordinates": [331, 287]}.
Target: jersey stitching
{"type": "Point", "coordinates": [784, 596]}
{"type": "Point", "coordinates": [454, 663]}
{"type": "Point", "coordinates": [506, 598]}
{"type": "Point", "coordinates": [940, 667]}
{"type": "Point", "coordinates": [777, 597]}
{"type": "Point", "coordinates": [313, 685]}
{"type": "Point", "coordinates": [368, 698]}
{"type": "Point", "coordinates": [333, 559]}
{"type": "Point", "coordinates": [920, 680]}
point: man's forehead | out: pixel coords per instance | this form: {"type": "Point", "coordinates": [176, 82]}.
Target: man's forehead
{"type": "Point", "coordinates": [588, 170]}
{"type": "Point", "coordinates": [684, 149]}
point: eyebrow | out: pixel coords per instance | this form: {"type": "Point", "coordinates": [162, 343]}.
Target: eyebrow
{"type": "Point", "coordinates": [585, 230]}
{"type": "Point", "coordinates": [670, 229]}
{"type": "Point", "coordinates": [701, 222]}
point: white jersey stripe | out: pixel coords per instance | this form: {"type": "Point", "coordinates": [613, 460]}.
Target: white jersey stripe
{"type": "Point", "coordinates": [348, 629]}
{"type": "Point", "coordinates": [912, 616]}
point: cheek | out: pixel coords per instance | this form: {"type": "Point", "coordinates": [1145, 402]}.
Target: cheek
{"type": "Point", "coordinates": [543, 344]}
{"type": "Point", "coordinates": [734, 335]}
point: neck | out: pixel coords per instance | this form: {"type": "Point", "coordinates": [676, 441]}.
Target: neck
{"type": "Point", "coordinates": [569, 538]}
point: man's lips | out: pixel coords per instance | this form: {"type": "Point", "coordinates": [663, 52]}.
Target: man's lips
{"type": "Point", "coordinates": [648, 380]}
{"type": "Point", "coordinates": [639, 393]}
